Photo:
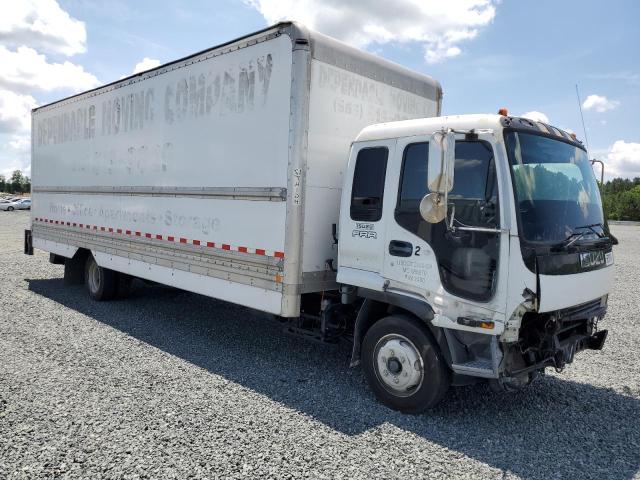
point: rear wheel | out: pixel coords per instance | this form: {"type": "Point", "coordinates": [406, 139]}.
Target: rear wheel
{"type": "Point", "coordinates": [9, 209]}
{"type": "Point", "coordinates": [101, 283]}
{"type": "Point", "coordinates": [403, 365]}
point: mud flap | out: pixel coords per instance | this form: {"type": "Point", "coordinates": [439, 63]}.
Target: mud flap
{"type": "Point", "coordinates": [28, 243]}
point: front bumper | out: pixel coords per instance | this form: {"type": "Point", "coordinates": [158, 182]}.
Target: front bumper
{"type": "Point", "coordinates": [552, 339]}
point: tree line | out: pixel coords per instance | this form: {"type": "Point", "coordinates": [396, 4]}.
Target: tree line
{"type": "Point", "coordinates": [18, 183]}
{"type": "Point", "coordinates": [621, 199]}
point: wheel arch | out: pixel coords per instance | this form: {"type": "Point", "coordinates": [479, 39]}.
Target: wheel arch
{"type": "Point", "coordinates": [378, 305]}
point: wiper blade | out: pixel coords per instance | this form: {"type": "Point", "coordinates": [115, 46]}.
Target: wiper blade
{"type": "Point", "coordinates": [592, 228]}
{"type": "Point", "coordinates": [570, 240]}
{"type": "Point", "coordinates": [575, 236]}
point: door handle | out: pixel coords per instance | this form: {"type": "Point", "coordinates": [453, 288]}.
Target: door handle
{"type": "Point", "coordinates": [398, 248]}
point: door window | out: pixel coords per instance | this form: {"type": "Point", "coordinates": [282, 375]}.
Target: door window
{"type": "Point", "coordinates": [367, 191]}
{"type": "Point", "coordinates": [467, 261]}
{"type": "Point", "coordinates": [414, 183]}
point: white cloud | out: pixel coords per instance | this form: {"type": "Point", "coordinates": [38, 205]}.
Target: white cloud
{"type": "Point", "coordinates": [25, 70]}
{"type": "Point", "coordinates": [599, 103]}
{"type": "Point", "coordinates": [28, 29]}
{"type": "Point", "coordinates": [146, 64]}
{"type": "Point", "coordinates": [15, 111]}
{"type": "Point", "coordinates": [20, 142]}
{"type": "Point", "coordinates": [623, 159]}
{"type": "Point", "coordinates": [41, 24]}
{"type": "Point", "coordinates": [439, 25]}
{"type": "Point", "coordinates": [15, 154]}
{"type": "Point", "coordinates": [536, 116]}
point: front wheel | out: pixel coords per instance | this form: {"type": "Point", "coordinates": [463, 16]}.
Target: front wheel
{"type": "Point", "coordinates": [9, 209]}
{"type": "Point", "coordinates": [101, 283]}
{"type": "Point", "coordinates": [403, 365]}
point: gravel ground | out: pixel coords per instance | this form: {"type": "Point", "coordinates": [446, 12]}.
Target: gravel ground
{"type": "Point", "coordinates": [169, 384]}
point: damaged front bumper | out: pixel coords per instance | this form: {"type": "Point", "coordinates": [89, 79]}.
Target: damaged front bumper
{"type": "Point", "coordinates": [552, 339]}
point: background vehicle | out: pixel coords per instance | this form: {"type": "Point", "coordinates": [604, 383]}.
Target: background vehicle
{"type": "Point", "coordinates": [446, 249]}
{"type": "Point", "coordinates": [7, 206]}
{"type": "Point", "coordinates": [22, 204]}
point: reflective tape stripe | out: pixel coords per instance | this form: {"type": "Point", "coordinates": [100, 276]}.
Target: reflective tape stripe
{"type": "Point", "coordinates": [167, 238]}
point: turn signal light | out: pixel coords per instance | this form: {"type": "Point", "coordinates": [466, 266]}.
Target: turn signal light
{"type": "Point", "coordinates": [472, 322]}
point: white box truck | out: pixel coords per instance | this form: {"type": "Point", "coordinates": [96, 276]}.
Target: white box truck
{"type": "Point", "coordinates": [289, 173]}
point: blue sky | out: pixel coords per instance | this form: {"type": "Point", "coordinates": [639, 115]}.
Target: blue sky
{"type": "Point", "coordinates": [526, 56]}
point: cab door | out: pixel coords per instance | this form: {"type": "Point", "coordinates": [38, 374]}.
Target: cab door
{"type": "Point", "coordinates": [410, 264]}
{"type": "Point", "coordinates": [362, 235]}
{"type": "Point", "coordinates": [429, 258]}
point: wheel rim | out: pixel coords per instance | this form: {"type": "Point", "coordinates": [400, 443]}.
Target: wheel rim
{"type": "Point", "coordinates": [398, 365]}
{"type": "Point", "coordinates": [94, 276]}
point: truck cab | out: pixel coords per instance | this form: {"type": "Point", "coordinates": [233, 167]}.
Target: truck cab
{"type": "Point", "coordinates": [476, 248]}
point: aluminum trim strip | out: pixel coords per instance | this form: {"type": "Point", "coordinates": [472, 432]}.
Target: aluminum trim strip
{"type": "Point", "coordinates": [272, 194]}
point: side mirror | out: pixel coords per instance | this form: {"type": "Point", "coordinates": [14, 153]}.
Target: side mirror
{"type": "Point", "coordinates": [433, 207]}
{"type": "Point", "coordinates": [442, 158]}
{"type": "Point", "coordinates": [593, 162]}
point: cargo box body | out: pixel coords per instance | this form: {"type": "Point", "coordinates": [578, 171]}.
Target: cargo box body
{"type": "Point", "coordinates": [220, 173]}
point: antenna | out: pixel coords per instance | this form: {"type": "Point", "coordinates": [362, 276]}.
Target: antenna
{"type": "Point", "coordinates": [584, 128]}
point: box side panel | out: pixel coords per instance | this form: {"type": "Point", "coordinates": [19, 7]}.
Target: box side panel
{"type": "Point", "coordinates": [343, 103]}
{"type": "Point", "coordinates": [219, 121]}
{"type": "Point", "coordinates": [191, 159]}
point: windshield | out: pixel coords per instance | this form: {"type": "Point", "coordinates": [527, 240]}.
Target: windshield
{"type": "Point", "coordinates": [555, 187]}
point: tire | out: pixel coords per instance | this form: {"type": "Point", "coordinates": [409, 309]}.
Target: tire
{"type": "Point", "coordinates": [9, 209]}
{"type": "Point", "coordinates": [101, 283]}
{"type": "Point", "coordinates": [403, 365]}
